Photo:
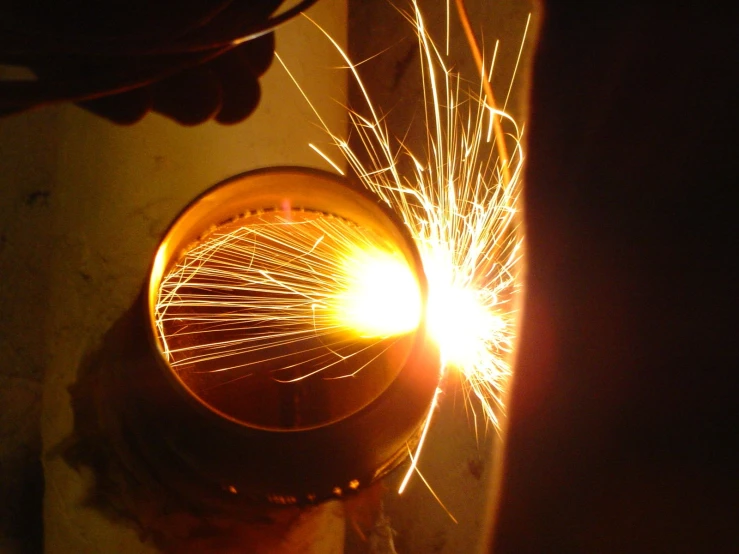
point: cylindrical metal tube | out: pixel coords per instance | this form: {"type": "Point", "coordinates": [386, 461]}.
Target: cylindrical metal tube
{"type": "Point", "coordinates": [251, 437]}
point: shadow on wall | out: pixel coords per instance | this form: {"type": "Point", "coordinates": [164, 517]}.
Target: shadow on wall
{"type": "Point", "coordinates": [122, 402]}
{"type": "Point", "coordinates": [128, 424]}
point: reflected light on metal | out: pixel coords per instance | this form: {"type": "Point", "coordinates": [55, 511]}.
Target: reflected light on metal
{"type": "Point", "coordinates": [291, 386]}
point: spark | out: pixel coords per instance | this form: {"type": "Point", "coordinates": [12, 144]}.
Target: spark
{"type": "Point", "coordinates": [428, 486]}
{"type": "Point", "coordinates": [460, 203]}
{"type": "Point", "coordinates": [328, 160]}
{"type": "Point", "coordinates": [270, 284]}
{"type": "Point", "coordinates": [422, 439]}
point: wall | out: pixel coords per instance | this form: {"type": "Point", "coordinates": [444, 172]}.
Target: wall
{"type": "Point", "coordinates": [83, 204]}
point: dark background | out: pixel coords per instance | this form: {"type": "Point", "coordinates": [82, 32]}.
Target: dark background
{"type": "Point", "coordinates": [623, 416]}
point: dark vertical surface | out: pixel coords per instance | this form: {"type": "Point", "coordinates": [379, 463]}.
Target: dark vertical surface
{"type": "Point", "coordinates": [624, 418]}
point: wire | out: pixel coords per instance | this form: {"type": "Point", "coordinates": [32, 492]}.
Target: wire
{"type": "Point", "coordinates": [488, 88]}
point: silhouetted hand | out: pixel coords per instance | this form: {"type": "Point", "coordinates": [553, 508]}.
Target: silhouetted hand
{"type": "Point", "coordinates": [225, 89]}
{"type": "Point", "coordinates": [121, 60]}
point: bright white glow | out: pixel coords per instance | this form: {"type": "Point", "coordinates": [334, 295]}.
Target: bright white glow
{"type": "Point", "coordinates": [382, 298]}
{"type": "Point", "coordinates": [461, 325]}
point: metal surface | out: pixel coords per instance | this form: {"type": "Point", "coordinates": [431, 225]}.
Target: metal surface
{"type": "Point", "coordinates": [214, 447]}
